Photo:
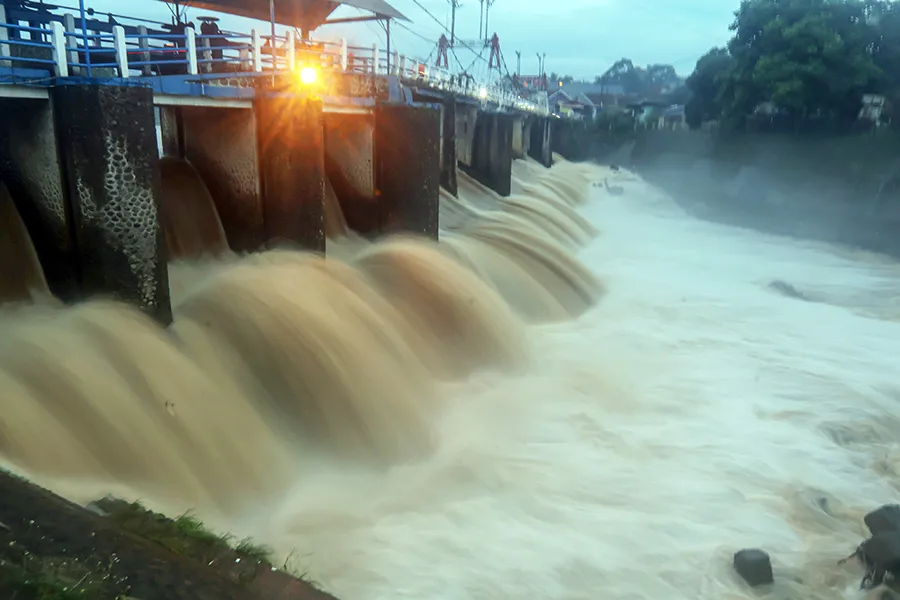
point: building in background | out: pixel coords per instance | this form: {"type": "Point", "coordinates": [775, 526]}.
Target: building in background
{"type": "Point", "coordinates": [586, 99]}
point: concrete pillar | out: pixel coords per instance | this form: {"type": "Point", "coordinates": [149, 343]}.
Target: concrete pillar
{"type": "Point", "coordinates": [106, 138]}
{"type": "Point", "coordinates": [448, 147]}
{"type": "Point", "coordinates": [466, 119]}
{"type": "Point", "coordinates": [527, 122]}
{"type": "Point", "coordinates": [291, 150]}
{"type": "Point", "coordinates": [518, 137]}
{"type": "Point", "coordinates": [539, 148]}
{"type": "Point", "coordinates": [407, 167]}
{"type": "Point", "coordinates": [29, 166]}
{"type": "Point", "coordinates": [492, 152]}
{"type": "Point", "coordinates": [170, 131]}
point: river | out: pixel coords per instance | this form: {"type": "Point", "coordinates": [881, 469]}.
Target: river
{"type": "Point", "coordinates": [694, 412]}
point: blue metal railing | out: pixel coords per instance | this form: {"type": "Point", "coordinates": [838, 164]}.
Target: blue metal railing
{"type": "Point", "coordinates": [130, 51]}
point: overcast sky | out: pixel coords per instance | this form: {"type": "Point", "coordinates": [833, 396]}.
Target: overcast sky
{"type": "Point", "coordinates": [582, 39]}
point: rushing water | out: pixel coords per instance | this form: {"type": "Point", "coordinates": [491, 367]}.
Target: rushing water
{"type": "Point", "coordinates": [693, 412]}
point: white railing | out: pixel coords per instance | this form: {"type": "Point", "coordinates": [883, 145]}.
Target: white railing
{"type": "Point", "coordinates": [138, 51]}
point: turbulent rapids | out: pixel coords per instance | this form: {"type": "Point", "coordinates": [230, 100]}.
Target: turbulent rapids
{"type": "Point", "coordinates": [479, 417]}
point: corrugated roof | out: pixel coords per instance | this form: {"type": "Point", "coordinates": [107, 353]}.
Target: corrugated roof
{"type": "Point", "coordinates": [303, 14]}
{"type": "Point", "coordinates": [592, 89]}
{"type": "Point", "coordinates": [379, 7]}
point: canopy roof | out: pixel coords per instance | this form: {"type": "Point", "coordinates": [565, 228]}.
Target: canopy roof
{"type": "Point", "coordinates": [302, 14]}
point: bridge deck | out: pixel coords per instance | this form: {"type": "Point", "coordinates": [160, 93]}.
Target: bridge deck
{"type": "Point", "coordinates": [39, 48]}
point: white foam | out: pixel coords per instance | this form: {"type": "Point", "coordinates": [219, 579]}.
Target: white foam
{"type": "Point", "coordinates": [691, 414]}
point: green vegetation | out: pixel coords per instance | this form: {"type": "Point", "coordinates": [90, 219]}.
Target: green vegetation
{"type": "Point", "coordinates": [810, 60]}
{"type": "Point", "coordinates": [656, 81]}
{"type": "Point", "coordinates": [639, 81]}
{"type": "Point", "coordinates": [26, 577]}
{"type": "Point", "coordinates": [184, 535]}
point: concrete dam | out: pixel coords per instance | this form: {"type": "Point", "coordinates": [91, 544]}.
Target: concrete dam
{"type": "Point", "coordinates": [329, 322]}
{"type": "Point", "coordinates": [217, 273]}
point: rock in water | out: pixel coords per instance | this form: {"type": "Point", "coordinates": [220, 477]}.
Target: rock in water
{"type": "Point", "coordinates": [881, 555]}
{"type": "Point", "coordinates": [754, 566]}
{"type": "Point", "coordinates": [884, 518]}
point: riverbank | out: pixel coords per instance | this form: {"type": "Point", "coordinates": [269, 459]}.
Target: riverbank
{"type": "Point", "coordinates": [53, 549]}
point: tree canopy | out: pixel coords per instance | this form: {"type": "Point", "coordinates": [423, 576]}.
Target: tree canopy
{"type": "Point", "coordinates": [802, 58]}
{"type": "Point", "coordinates": [555, 78]}
{"type": "Point", "coordinates": [641, 81]}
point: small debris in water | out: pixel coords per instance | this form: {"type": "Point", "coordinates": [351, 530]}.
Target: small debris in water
{"type": "Point", "coordinates": [754, 566]}
{"type": "Point", "coordinates": [787, 289]}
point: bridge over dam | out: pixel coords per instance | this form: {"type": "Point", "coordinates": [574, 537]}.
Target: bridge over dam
{"type": "Point", "coordinates": [100, 120]}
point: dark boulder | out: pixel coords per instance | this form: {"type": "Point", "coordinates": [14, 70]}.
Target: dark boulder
{"type": "Point", "coordinates": [881, 556]}
{"type": "Point", "coordinates": [754, 566]}
{"type": "Point", "coordinates": [884, 518]}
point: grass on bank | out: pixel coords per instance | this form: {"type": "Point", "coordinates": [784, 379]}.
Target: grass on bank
{"type": "Point", "coordinates": [184, 535]}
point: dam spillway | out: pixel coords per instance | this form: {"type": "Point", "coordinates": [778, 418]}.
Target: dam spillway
{"type": "Point", "coordinates": [79, 159]}
{"type": "Point", "coordinates": [169, 319]}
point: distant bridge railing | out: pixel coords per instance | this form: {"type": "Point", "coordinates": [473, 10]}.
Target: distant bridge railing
{"type": "Point", "coordinates": [114, 50]}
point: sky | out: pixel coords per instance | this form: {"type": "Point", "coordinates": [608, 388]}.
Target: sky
{"type": "Point", "coordinates": [582, 40]}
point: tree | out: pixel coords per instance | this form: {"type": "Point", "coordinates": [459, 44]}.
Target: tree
{"type": "Point", "coordinates": [705, 84]}
{"type": "Point", "coordinates": [680, 95]}
{"type": "Point", "coordinates": [659, 77]}
{"type": "Point", "coordinates": [884, 17]}
{"type": "Point", "coordinates": [650, 81]}
{"type": "Point", "coordinates": [555, 78]}
{"type": "Point", "coordinates": [625, 74]}
{"type": "Point", "coordinates": [613, 120]}
{"type": "Point", "coordinates": [810, 58]}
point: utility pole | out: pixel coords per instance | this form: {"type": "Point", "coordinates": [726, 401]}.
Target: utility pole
{"type": "Point", "coordinates": [454, 4]}
{"type": "Point", "coordinates": [481, 34]}
{"type": "Point", "coordinates": [487, 9]}
{"type": "Point", "coordinates": [518, 63]}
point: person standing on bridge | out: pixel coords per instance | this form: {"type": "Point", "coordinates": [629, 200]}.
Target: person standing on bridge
{"type": "Point", "coordinates": [442, 60]}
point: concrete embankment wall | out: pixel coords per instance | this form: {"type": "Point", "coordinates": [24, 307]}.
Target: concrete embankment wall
{"type": "Point", "coordinates": [841, 189]}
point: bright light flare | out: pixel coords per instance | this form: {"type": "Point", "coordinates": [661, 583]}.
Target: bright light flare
{"type": "Point", "coordinates": [308, 75]}
{"type": "Point", "coordinates": [483, 92]}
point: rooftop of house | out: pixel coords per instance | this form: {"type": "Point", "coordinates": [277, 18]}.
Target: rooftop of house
{"type": "Point", "coordinates": [674, 112]}
{"type": "Point", "coordinates": [573, 90]}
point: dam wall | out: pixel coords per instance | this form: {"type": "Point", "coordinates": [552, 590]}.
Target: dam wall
{"type": "Point", "coordinates": [103, 173]}
{"type": "Point", "coordinates": [843, 189]}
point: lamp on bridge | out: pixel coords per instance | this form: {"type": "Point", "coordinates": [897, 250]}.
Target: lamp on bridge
{"type": "Point", "coordinates": [308, 75]}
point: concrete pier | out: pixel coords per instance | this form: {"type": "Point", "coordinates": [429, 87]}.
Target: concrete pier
{"type": "Point", "coordinates": [540, 146]}
{"type": "Point", "coordinates": [385, 167]}
{"type": "Point", "coordinates": [521, 136]}
{"type": "Point", "coordinates": [491, 158]}
{"type": "Point", "coordinates": [291, 150]}
{"type": "Point", "coordinates": [449, 152]}
{"type": "Point", "coordinates": [110, 173]}
{"type": "Point", "coordinates": [408, 167]}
